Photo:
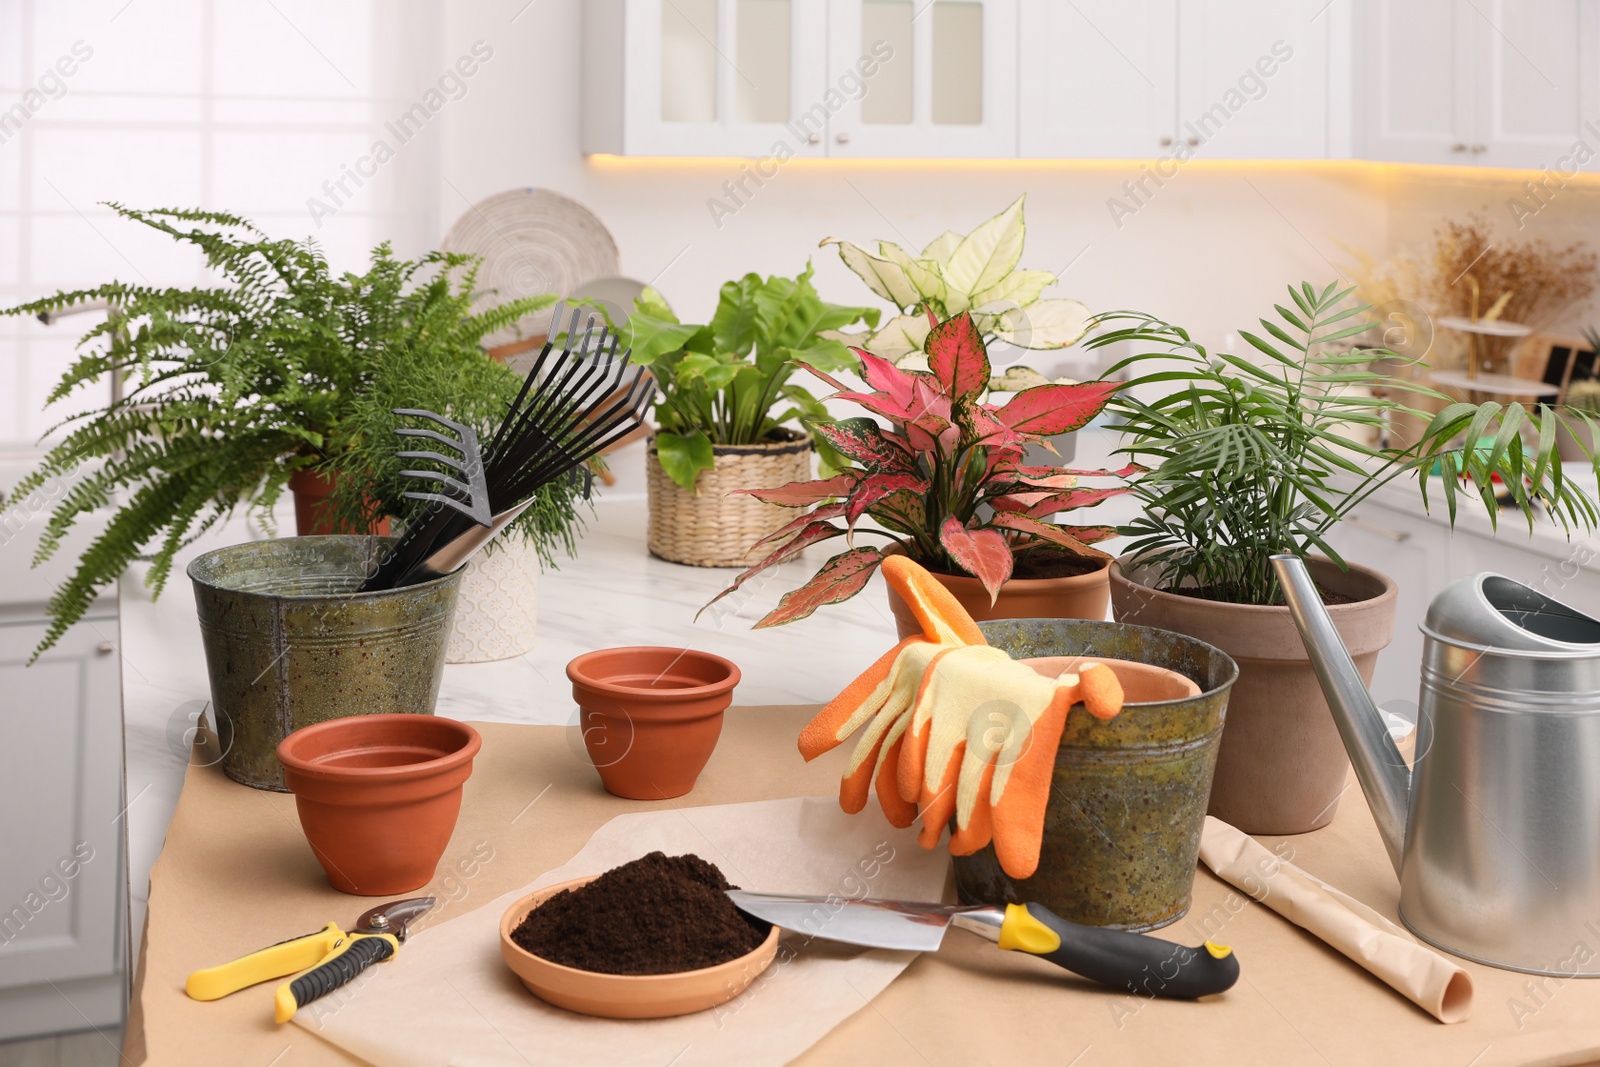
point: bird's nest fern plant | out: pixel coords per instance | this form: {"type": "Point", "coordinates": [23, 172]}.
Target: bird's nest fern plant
{"type": "Point", "coordinates": [228, 390]}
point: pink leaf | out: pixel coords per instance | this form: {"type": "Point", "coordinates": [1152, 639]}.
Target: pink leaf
{"type": "Point", "coordinates": [1052, 409]}
{"type": "Point", "coordinates": [877, 486]}
{"type": "Point", "coordinates": [1090, 535]}
{"type": "Point", "coordinates": [826, 511]}
{"type": "Point", "coordinates": [866, 442]}
{"type": "Point", "coordinates": [814, 532]}
{"type": "Point", "coordinates": [885, 376]}
{"type": "Point", "coordinates": [841, 578]}
{"type": "Point", "coordinates": [984, 554]}
{"type": "Point", "coordinates": [799, 494]}
{"type": "Point", "coordinates": [990, 431]}
{"type": "Point", "coordinates": [1043, 505]}
{"type": "Point", "coordinates": [1047, 532]}
{"type": "Point", "coordinates": [956, 357]}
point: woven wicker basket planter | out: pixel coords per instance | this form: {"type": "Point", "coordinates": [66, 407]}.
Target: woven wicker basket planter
{"type": "Point", "coordinates": [711, 527]}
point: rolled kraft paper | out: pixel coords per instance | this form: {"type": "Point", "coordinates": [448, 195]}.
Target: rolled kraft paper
{"type": "Point", "coordinates": [1426, 978]}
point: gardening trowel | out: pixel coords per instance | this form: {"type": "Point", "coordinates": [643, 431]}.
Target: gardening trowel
{"type": "Point", "coordinates": [1147, 966]}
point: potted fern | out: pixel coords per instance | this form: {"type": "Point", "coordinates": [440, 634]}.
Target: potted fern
{"type": "Point", "coordinates": [1247, 457]}
{"type": "Point", "coordinates": [947, 484]}
{"type": "Point", "coordinates": [726, 410]}
{"type": "Point", "coordinates": [231, 391]}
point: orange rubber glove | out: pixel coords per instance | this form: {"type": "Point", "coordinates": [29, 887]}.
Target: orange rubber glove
{"type": "Point", "coordinates": [980, 747]}
{"type": "Point", "coordinates": [881, 698]}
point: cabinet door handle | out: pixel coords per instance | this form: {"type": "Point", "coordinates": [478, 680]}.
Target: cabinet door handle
{"type": "Point", "coordinates": [1191, 141]}
{"type": "Point", "coordinates": [105, 648]}
{"type": "Point", "coordinates": [843, 137]}
{"type": "Point", "coordinates": [1458, 148]}
{"type": "Point", "coordinates": [1479, 148]}
{"type": "Point", "coordinates": [815, 138]}
{"type": "Point", "coordinates": [1397, 536]}
{"type": "Point", "coordinates": [1165, 141]}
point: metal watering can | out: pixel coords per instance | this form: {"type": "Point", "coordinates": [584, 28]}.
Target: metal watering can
{"type": "Point", "coordinates": [1496, 834]}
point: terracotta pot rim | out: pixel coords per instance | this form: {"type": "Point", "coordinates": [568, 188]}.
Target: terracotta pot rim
{"type": "Point", "coordinates": [306, 539]}
{"type": "Point", "coordinates": [1031, 583]}
{"type": "Point", "coordinates": [522, 906]}
{"type": "Point", "coordinates": [577, 673]}
{"type": "Point", "coordinates": [1390, 591]}
{"type": "Point", "coordinates": [471, 743]}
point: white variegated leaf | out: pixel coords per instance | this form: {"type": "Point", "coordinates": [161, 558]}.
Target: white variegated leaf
{"type": "Point", "coordinates": [1044, 324]}
{"type": "Point", "coordinates": [901, 334]}
{"type": "Point", "coordinates": [942, 247]}
{"type": "Point", "coordinates": [882, 277]}
{"type": "Point", "coordinates": [988, 253]}
{"type": "Point", "coordinates": [923, 274]}
{"type": "Point", "coordinates": [1020, 287]}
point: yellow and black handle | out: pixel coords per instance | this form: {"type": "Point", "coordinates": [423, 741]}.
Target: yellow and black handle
{"type": "Point", "coordinates": [341, 967]}
{"type": "Point", "coordinates": [1145, 966]}
{"type": "Point", "coordinates": [329, 956]}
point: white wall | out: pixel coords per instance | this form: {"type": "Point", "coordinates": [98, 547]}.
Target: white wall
{"type": "Point", "coordinates": [1212, 250]}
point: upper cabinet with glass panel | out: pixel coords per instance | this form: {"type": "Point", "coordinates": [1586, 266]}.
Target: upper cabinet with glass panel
{"type": "Point", "coordinates": [786, 78]}
{"type": "Point", "coordinates": [702, 77]}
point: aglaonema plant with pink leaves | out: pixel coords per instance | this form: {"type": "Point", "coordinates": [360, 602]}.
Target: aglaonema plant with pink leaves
{"type": "Point", "coordinates": [945, 482]}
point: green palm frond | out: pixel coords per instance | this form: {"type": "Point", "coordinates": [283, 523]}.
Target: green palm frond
{"type": "Point", "coordinates": [1248, 456]}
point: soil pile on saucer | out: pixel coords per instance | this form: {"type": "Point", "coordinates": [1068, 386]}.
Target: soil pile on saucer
{"type": "Point", "coordinates": [658, 914]}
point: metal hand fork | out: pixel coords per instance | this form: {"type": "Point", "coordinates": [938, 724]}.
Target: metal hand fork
{"type": "Point", "coordinates": [470, 498]}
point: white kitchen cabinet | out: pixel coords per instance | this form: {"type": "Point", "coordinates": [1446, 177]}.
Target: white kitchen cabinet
{"type": "Point", "coordinates": [1099, 79]}
{"type": "Point", "coordinates": [948, 87]}
{"type": "Point", "coordinates": [785, 78]}
{"type": "Point", "coordinates": [1476, 82]}
{"type": "Point", "coordinates": [62, 902]}
{"type": "Point", "coordinates": [1254, 78]}
{"type": "Point", "coordinates": [704, 77]}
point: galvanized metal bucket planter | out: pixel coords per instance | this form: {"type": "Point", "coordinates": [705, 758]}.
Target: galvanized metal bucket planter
{"type": "Point", "coordinates": [1128, 799]}
{"type": "Point", "coordinates": [289, 643]}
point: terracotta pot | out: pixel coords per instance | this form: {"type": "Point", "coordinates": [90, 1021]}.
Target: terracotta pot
{"type": "Point", "coordinates": [1079, 596]}
{"type": "Point", "coordinates": [1282, 767]}
{"type": "Point", "coordinates": [650, 716]}
{"type": "Point", "coordinates": [626, 996]}
{"type": "Point", "coordinates": [311, 491]}
{"type": "Point", "coordinates": [378, 796]}
{"type": "Point", "coordinates": [1142, 683]}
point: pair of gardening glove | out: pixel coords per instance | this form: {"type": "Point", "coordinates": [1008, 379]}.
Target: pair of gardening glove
{"type": "Point", "coordinates": [954, 727]}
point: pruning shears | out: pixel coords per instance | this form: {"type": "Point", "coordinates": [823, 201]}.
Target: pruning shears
{"type": "Point", "coordinates": [330, 958]}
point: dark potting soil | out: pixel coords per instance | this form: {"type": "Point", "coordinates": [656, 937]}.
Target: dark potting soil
{"type": "Point", "coordinates": [658, 914]}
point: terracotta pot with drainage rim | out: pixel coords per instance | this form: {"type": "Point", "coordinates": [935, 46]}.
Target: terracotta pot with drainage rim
{"type": "Point", "coordinates": [378, 796]}
{"type": "Point", "coordinates": [650, 716]}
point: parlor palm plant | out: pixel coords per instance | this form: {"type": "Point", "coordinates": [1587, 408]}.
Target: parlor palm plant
{"type": "Point", "coordinates": [1248, 457]}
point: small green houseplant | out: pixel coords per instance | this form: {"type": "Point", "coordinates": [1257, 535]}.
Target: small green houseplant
{"type": "Point", "coordinates": [1248, 457]}
{"type": "Point", "coordinates": [726, 407]}
{"type": "Point", "coordinates": [945, 482]}
{"type": "Point", "coordinates": [976, 273]}
{"type": "Point", "coordinates": [231, 389]}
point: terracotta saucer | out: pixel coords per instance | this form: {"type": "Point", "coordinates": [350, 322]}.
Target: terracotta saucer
{"type": "Point", "coordinates": [626, 996]}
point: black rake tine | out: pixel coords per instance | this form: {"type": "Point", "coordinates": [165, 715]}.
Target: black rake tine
{"type": "Point", "coordinates": [529, 378]}
{"type": "Point", "coordinates": [604, 430]}
{"type": "Point", "coordinates": [435, 457]}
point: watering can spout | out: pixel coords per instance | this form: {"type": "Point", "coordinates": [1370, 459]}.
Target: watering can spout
{"type": "Point", "coordinates": [1383, 774]}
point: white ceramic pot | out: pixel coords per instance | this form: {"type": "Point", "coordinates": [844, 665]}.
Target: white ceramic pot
{"type": "Point", "coordinates": [498, 606]}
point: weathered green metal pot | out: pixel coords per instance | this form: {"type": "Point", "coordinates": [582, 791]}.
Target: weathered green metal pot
{"type": "Point", "coordinates": [1128, 800]}
{"type": "Point", "coordinates": [289, 643]}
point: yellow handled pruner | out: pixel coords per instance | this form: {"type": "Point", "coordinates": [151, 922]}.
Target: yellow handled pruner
{"type": "Point", "coordinates": [330, 958]}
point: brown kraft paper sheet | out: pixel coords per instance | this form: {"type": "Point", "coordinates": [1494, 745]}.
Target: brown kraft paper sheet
{"type": "Point", "coordinates": [236, 874]}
